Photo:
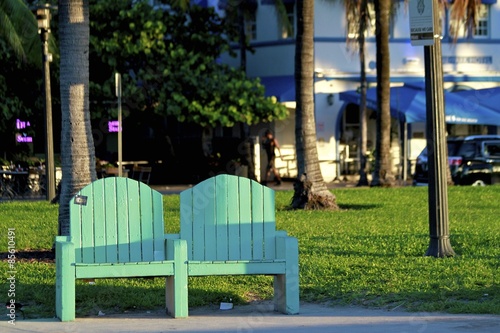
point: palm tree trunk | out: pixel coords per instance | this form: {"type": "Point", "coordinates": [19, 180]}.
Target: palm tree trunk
{"type": "Point", "coordinates": [363, 179]}
{"type": "Point", "coordinates": [77, 144]}
{"type": "Point", "coordinates": [383, 175]}
{"type": "Point", "coordinates": [318, 196]}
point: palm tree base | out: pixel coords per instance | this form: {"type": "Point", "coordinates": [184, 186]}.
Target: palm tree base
{"type": "Point", "coordinates": [305, 198]}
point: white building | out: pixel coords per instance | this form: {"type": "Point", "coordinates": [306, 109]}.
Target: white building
{"type": "Point", "coordinates": [468, 63]}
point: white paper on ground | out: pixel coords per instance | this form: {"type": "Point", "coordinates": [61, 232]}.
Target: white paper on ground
{"type": "Point", "coordinates": [226, 306]}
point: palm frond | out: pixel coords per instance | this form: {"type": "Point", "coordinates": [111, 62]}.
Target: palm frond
{"type": "Point", "coordinates": [19, 28]}
{"type": "Point", "coordinates": [464, 13]}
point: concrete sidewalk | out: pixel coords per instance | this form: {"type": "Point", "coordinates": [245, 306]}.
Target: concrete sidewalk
{"type": "Point", "coordinates": [260, 317]}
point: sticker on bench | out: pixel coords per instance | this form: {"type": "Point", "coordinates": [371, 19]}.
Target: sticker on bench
{"type": "Point", "coordinates": [81, 200]}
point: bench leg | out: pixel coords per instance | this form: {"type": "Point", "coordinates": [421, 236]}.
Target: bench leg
{"type": "Point", "coordinates": [65, 281]}
{"type": "Point", "coordinates": [286, 286]}
{"type": "Point", "coordinates": [176, 288]}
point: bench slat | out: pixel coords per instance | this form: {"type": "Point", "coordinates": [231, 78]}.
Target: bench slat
{"type": "Point", "coordinates": [145, 207]}
{"type": "Point", "coordinates": [124, 270]}
{"type": "Point", "coordinates": [234, 251]}
{"type": "Point", "coordinates": [236, 268]}
{"type": "Point", "coordinates": [208, 190]}
{"type": "Point", "coordinates": [186, 208]}
{"type": "Point", "coordinates": [87, 227]}
{"type": "Point", "coordinates": [269, 220]}
{"type": "Point", "coordinates": [75, 214]}
{"type": "Point", "coordinates": [200, 202]}
{"type": "Point", "coordinates": [245, 218]}
{"type": "Point", "coordinates": [257, 207]}
{"type": "Point", "coordinates": [122, 221]}
{"type": "Point", "coordinates": [222, 232]}
{"type": "Point", "coordinates": [134, 222]}
{"type": "Point", "coordinates": [158, 225]}
{"type": "Point", "coordinates": [99, 229]}
{"type": "Point", "coordinates": [109, 196]}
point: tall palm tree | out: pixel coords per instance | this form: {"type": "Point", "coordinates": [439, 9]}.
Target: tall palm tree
{"type": "Point", "coordinates": [357, 15]}
{"type": "Point", "coordinates": [363, 145]}
{"type": "Point", "coordinates": [77, 144]}
{"type": "Point", "coordinates": [383, 175]}
{"type": "Point", "coordinates": [19, 28]}
{"type": "Point", "coordinates": [305, 125]}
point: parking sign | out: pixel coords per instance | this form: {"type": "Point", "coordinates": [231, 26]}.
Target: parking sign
{"type": "Point", "coordinates": [421, 22]}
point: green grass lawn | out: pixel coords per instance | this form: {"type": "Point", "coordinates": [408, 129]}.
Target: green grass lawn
{"type": "Point", "coordinates": [371, 253]}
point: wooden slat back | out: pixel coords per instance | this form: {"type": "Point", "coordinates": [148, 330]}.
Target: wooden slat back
{"type": "Point", "coordinates": [228, 218]}
{"type": "Point", "coordinates": [117, 220]}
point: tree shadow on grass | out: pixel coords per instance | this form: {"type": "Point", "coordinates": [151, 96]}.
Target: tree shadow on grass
{"type": "Point", "coordinates": [30, 256]}
{"type": "Point", "coordinates": [359, 207]}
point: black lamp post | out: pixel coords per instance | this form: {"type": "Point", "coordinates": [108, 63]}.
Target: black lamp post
{"type": "Point", "coordinates": [43, 19]}
{"type": "Point", "coordinates": [439, 245]}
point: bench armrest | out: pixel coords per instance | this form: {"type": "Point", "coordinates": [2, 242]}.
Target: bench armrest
{"type": "Point", "coordinates": [65, 250]}
{"type": "Point", "coordinates": [175, 248]}
{"type": "Point", "coordinates": [286, 247]}
{"type": "Point", "coordinates": [281, 233]}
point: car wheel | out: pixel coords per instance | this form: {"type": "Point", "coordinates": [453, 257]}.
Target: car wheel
{"type": "Point", "coordinates": [479, 182]}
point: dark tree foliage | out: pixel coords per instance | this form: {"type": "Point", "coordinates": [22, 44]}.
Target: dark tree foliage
{"type": "Point", "coordinates": [169, 65]}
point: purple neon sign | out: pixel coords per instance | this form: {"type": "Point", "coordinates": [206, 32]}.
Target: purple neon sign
{"type": "Point", "coordinates": [23, 138]}
{"type": "Point", "coordinates": [113, 126]}
{"type": "Point", "coordinates": [20, 124]}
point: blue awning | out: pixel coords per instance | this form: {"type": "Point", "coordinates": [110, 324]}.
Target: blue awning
{"type": "Point", "coordinates": [408, 103]}
{"type": "Point", "coordinates": [397, 104]}
{"type": "Point", "coordinates": [282, 87]}
{"type": "Point", "coordinates": [489, 97]}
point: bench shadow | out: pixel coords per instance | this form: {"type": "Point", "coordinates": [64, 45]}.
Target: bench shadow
{"type": "Point", "coordinates": [98, 299]}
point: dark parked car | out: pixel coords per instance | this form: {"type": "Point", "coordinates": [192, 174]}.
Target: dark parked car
{"type": "Point", "coordinates": [421, 167]}
{"type": "Point", "coordinates": [473, 160]}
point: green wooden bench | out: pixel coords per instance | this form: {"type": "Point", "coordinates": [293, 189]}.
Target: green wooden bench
{"type": "Point", "coordinates": [117, 231]}
{"type": "Point", "coordinates": [230, 229]}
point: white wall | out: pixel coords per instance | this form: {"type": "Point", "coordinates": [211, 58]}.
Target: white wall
{"type": "Point", "coordinates": [334, 60]}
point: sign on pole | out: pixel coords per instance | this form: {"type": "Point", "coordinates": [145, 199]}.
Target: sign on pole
{"type": "Point", "coordinates": [422, 28]}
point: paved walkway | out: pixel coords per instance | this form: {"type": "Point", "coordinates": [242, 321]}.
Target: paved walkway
{"type": "Point", "coordinates": [260, 317]}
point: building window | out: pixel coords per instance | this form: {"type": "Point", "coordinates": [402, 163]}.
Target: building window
{"type": "Point", "coordinates": [288, 28]}
{"type": "Point", "coordinates": [481, 28]}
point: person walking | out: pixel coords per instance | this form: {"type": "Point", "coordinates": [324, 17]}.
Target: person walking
{"type": "Point", "coordinates": [270, 144]}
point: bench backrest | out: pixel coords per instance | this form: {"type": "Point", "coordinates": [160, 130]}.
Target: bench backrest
{"type": "Point", "coordinates": [228, 218]}
{"type": "Point", "coordinates": [117, 220]}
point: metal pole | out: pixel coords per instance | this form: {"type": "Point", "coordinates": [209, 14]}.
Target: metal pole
{"type": "Point", "coordinates": [439, 245]}
{"type": "Point", "coordinates": [118, 80]}
{"type": "Point", "coordinates": [49, 143]}
{"type": "Point", "coordinates": [405, 151]}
